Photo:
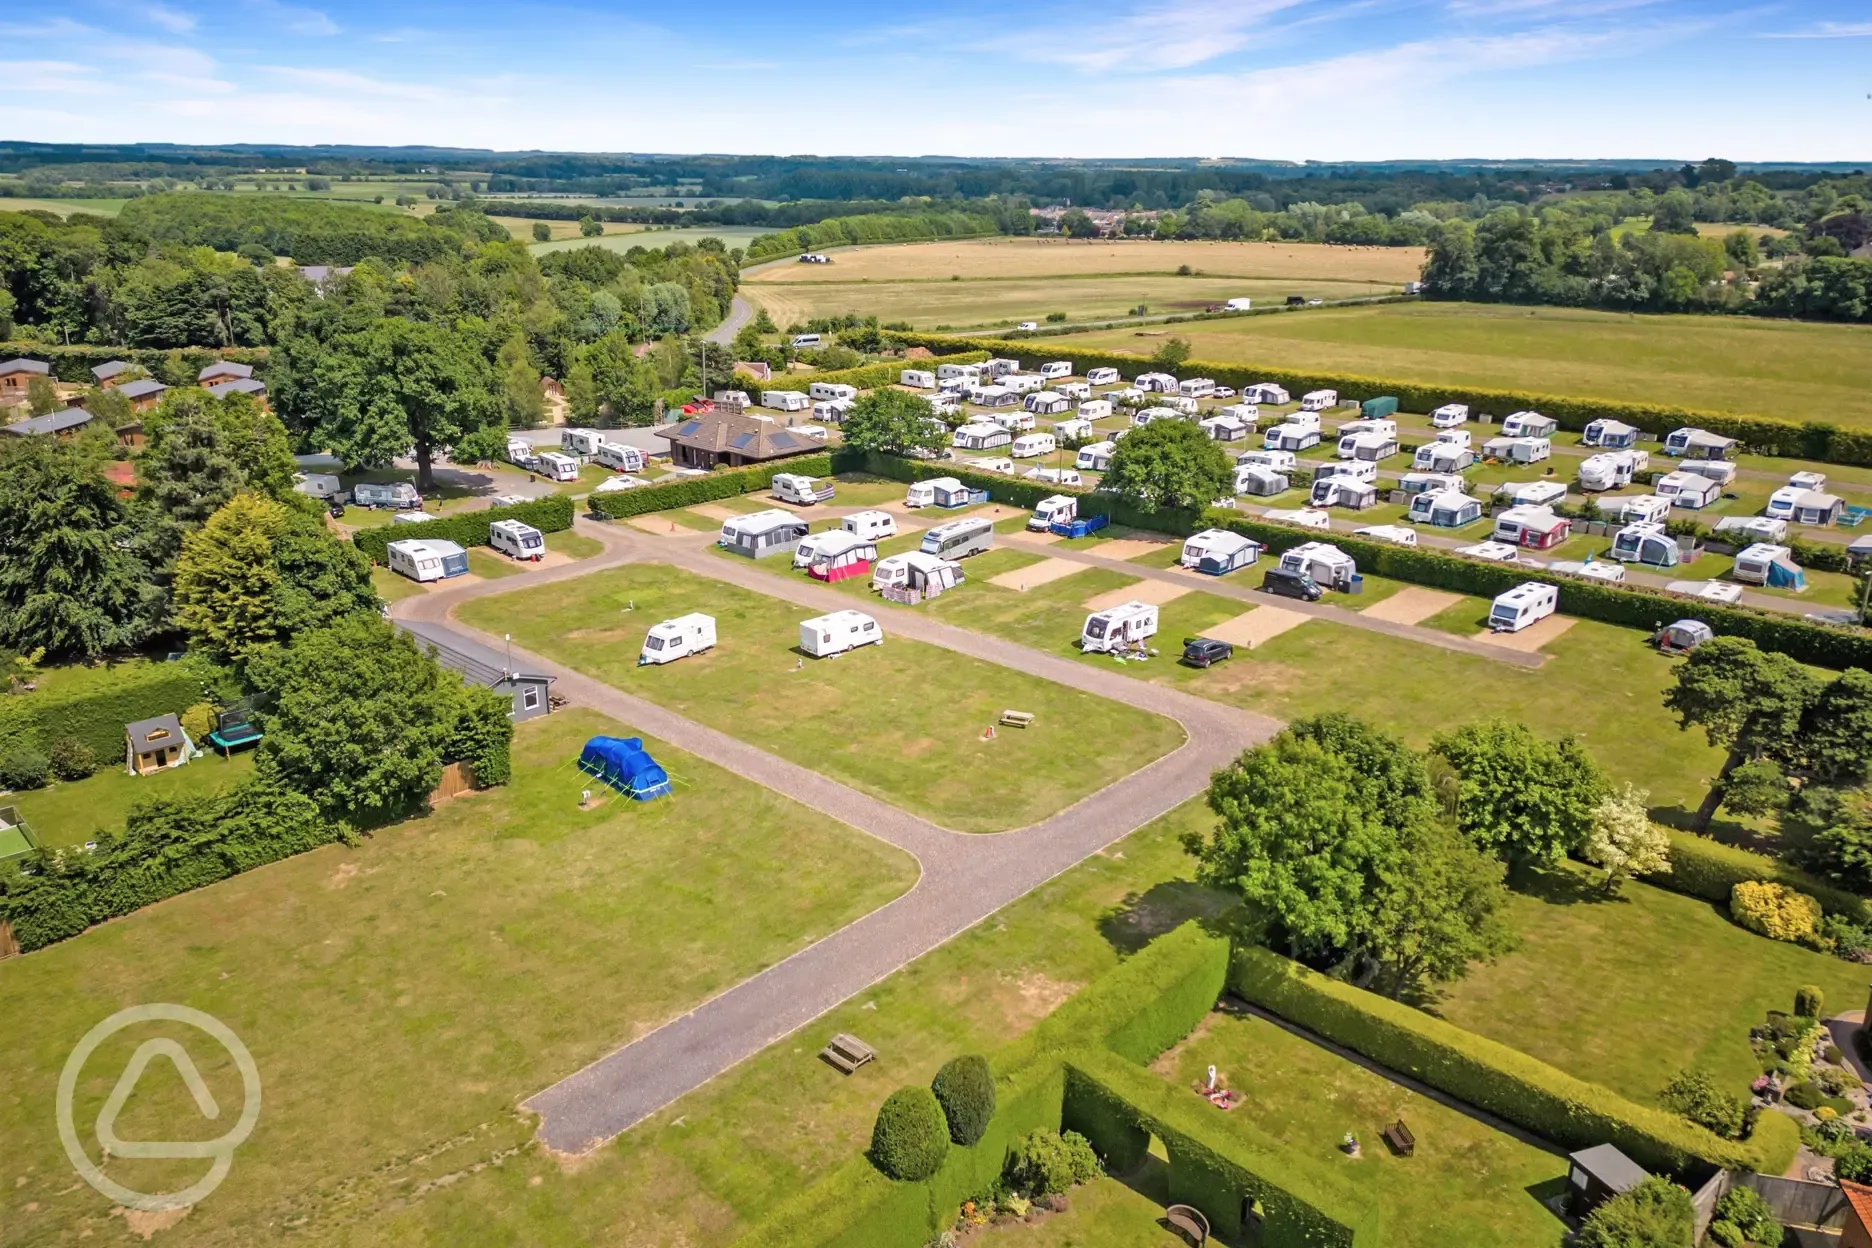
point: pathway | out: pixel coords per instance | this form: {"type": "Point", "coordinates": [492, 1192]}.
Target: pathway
{"type": "Point", "coordinates": [740, 312]}
{"type": "Point", "coordinates": [965, 877]}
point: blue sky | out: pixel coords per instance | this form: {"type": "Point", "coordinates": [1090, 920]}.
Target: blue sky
{"type": "Point", "coordinates": [1294, 79]}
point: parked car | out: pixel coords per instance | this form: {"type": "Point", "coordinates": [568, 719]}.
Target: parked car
{"type": "Point", "coordinates": [1286, 583]}
{"type": "Point", "coordinates": [1205, 651]}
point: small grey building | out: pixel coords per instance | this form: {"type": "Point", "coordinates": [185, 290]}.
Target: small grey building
{"type": "Point", "coordinates": [530, 692]}
{"type": "Point", "coordinates": [1597, 1174]}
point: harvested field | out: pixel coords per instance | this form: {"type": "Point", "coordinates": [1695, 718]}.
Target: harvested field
{"type": "Point", "coordinates": [1047, 257]}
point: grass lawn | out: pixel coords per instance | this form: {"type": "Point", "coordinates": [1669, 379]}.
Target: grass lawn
{"type": "Point", "coordinates": [1719, 363]}
{"type": "Point", "coordinates": [1106, 1213]}
{"type": "Point", "coordinates": [64, 207]}
{"type": "Point", "coordinates": [485, 563]}
{"type": "Point", "coordinates": [71, 812]}
{"type": "Point", "coordinates": [401, 996]}
{"type": "Point", "coordinates": [902, 721]}
{"type": "Point", "coordinates": [706, 1168]}
{"type": "Point", "coordinates": [1466, 1184]}
{"type": "Point", "coordinates": [390, 587]}
{"type": "Point", "coordinates": [653, 239]}
{"type": "Point", "coordinates": [573, 545]}
{"type": "Point", "coordinates": [1627, 992]}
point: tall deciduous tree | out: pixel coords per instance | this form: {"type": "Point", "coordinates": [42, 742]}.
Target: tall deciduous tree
{"type": "Point", "coordinates": [1747, 700]}
{"type": "Point", "coordinates": [1836, 731]}
{"type": "Point", "coordinates": [523, 403]}
{"type": "Point", "coordinates": [1520, 796]}
{"type": "Point", "coordinates": [1169, 464]}
{"type": "Point", "coordinates": [893, 421]}
{"type": "Point", "coordinates": [1439, 910]}
{"type": "Point", "coordinates": [400, 386]}
{"type": "Point", "coordinates": [1623, 839]}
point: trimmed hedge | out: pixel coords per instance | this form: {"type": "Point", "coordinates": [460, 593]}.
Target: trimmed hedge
{"type": "Point", "coordinates": [910, 1138]}
{"type": "Point", "coordinates": [1015, 491]}
{"type": "Point", "coordinates": [1217, 1163]}
{"type": "Point", "coordinates": [1709, 869]}
{"type": "Point", "coordinates": [853, 1207]}
{"type": "Point", "coordinates": [1501, 1080]}
{"type": "Point", "coordinates": [552, 514]}
{"type": "Point", "coordinates": [723, 483]}
{"type": "Point", "coordinates": [965, 1088]}
{"type": "Point", "coordinates": [97, 715]}
{"type": "Point", "coordinates": [1814, 440]}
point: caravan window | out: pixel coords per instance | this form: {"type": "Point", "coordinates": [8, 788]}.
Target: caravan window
{"type": "Point", "coordinates": [1095, 628]}
{"type": "Point", "coordinates": [1503, 611]}
{"type": "Point", "coordinates": [653, 643]}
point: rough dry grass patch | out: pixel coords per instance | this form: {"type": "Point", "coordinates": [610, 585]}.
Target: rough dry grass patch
{"type": "Point", "coordinates": [1042, 257]}
{"type": "Point", "coordinates": [902, 720]}
{"type": "Point", "coordinates": [400, 997]}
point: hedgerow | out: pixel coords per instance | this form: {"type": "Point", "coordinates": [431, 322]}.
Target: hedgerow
{"type": "Point", "coordinates": [551, 514]}
{"type": "Point", "coordinates": [1709, 869]}
{"type": "Point", "coordinates": [688, 491]}
{"type": "Point", "coordinates": [97, 712]}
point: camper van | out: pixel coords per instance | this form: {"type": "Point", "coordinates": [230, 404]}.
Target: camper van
{"type": "Point", "coordinates": [763, 534]}
{"type": "Point", "coordinates": [1368, 447]}
{"type": "Point", "coordinates": [1095, 457]}
{"type": "Point", "coordinates": [1688, 490]}
{"type": "Point", "coordinates": [1102, 377]}
{"type": "Point", "coordinates": [1056, 368]}
{"type": "Point", "coordinates": [958, 539]}
{"type": "Point", "coordinates": [1769, 565]}
{"type": "Point", "coordinates": [1528, 425]}
{"type": "Point", "coordinates": [980, 436]}
{"type": "Point", "coordinates": [1609, 435]}
{"type": "Point", "coordinates": [1445, 457]}
{"type": "Point", "coordinates": [839, 555]}
{"type": "Point", "coordinates": [1535, 528]}
{"type": "Point", "coordinates": [792, 487]}
{"type": "Point", "coordinates": [1319, 400]}
{"type": "Point", "coordinates": [1217, 552]}
{"type": "Point", "coordinates": [1267, 392]}
{"type": "Point", "coordinates": [1123, 627]}
{"type": "Point", "coordinates": [1260, 481]}
{"type": "Point", "coordinates": [618, 457]}
{"type": "Point", "coordinates": [1646, 543]}
{"type": "Point", "coordinates": [397, 495]}
{"type": "Point", "coordinates": [1061, 507]}
{"type": "Point", "coordinates": [320, 485]}
{"type": "Point", "coordinates": [873, 526]}
{"type": "Point", "coordinates": [678, 639]}
{"type": "Point", "coordinates": [428, 560]}
{"type": "Point", "coordinates": [1449, 416]}
{"type": "Point", "coordinates": [1521, 606]}
{"type": "Point", "coordinates": [826, 635]}
{"type": "Point", "coordinates": [583, 443]}
{"type": "Point", "coordinates": [1444, 509]}
{"type": "Point", "coordinates": [555, 466]}
{"type": "Point", "coordinates": [517, 540]}
{"type": "Point", "coordinates": [828, 390]}
{"type": "Point", "coordinates": [1290, 437]}
{"type": "Point", "coordinates": [1323, 563]}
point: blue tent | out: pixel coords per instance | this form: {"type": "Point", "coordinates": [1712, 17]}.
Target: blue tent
{"type": "Point", "coordinates": [624, 764]}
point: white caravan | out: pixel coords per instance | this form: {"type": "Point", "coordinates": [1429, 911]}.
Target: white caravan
{"type": "Point", "coordinates": [1521, 606]}
{"type": "Point", "coordinates": [678, 639]}
{"type": "Point", "coordinates": [517, 540]}
{"type": "Point", "coordinates": [1123, 627]}
{"type": "Point", "coordinates": [826, 635]}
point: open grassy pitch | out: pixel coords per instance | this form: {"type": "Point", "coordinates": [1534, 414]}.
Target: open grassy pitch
{"type": "Point", "coordinates": [1790, 369]}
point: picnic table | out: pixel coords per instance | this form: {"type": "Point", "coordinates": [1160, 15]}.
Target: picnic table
{"type": "Point", "coordinates": [1399, 1137]}
{"type": "Point", "coordinates": [846, 1053]}
{"type": "Point", "coordinates": [1017, 719]}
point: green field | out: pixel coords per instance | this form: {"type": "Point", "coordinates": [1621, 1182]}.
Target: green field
{"type": "Point", "coordinates": [902, 720]}
{"type": "Point", "coordinates": [401, 996]}
{"type": "Point", "coordinates": [1794, 370]}
{"type": "Point", "coordinates": [71, 812]}
{"type": "Point", "coordinates": [64, 207]}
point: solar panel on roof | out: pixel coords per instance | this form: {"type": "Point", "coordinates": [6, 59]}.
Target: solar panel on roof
{"type": "Point", "coordinates": [740, 440]}
{"type": "Point", "coordinates": [782, 440]}
{"type": "Point", "coordinates": [688, 428]}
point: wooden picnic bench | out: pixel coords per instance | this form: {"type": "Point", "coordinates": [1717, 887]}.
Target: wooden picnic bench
{"type": "Point", "coordinates": [1017, 719]}
{"type": "Point", "coordinates": [1188, 1221]}
{"type": "Point", "coordinates": [1399, 1137]}
{"type": "Point", "coordinates": [847, 1053]}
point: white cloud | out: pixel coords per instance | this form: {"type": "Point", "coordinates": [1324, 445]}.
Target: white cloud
{"type": "Point", "coordinates": [298, 20]}
{"type": "Point", "coordinates": [1160, 37]}
{"type": "Point", "coordinates": [57, 28]}
{"type": "Point", "coordinates": [170, 19]}
{"type": "Point", "coordinates": [352, 83]}
{"type": "Point", "coordinates": [51, 77]}
{"type": "Point", "coordinates": [1828, 30]}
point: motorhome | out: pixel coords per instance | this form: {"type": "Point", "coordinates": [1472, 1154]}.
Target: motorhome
{"type": "Point", "coordinates": [1693, 443]}
{"type": "Point", "coordinates": [1646, 543]}
{"type": "Point", "coordinates": [1029, 445]}
{"type": "Point", "coordinates": [1267, 392]}
{"type": "Point", "coordinates": [1770, 566]}
{"type": "Point", "coordinates": [1449, 416]}
{"type": "Point", "coordinates": [677, 639]}
{"type": "Point", "coordinates": [517, 540]}
{"type": "Point", "coordinates": [1517, 450]}
{"type": "Point", "coordinates": [1290, 437]}
{"type": "Point", "coordinates": [1688, 490]}
{"type": "Point", "coordinates": [1396, 535]}
{"type": "Point", "coordinates": [1368, 447]}
{"type": "Point", "coordinates": [1217, 552]}
{"type": "Point", "coordinates": [827, 390]}
{"type": "Point", "coordinates": [925, 493]}
{"type": "Point", "coordinates": [763, 534]}
{"type": "Point", "coordinates": [1196, 387]}
{"type": "Point", "coordinates": [1051, 508]}
{"type": "Point", "coordinates": [1225, 428]}
{"type": "Point", "coordinates": [1095, 409]}
{"type": "Point", "coordinates": [1054, 476]}
{"type": "Point", "coordinates": [917, 379]}
{"type": "Point", "coordinates": [1101, 376]}
{"type": "Point", "coordinates": [1528, 425]}
{"type": "Point", "coordinates": [1095, 457]}
{"type": "Point", "coordinates": [793, 487]}
{"type": "Point", "coordinates": [1015, 422]}
{"type": "Point", "coordinates": [1056, 369]}
{"type": "Point", "coordinates": [980, 436]}
{"type": "Point", "coordinates": [1319, 400]}
{"type": "Point", "coordinates": [427, 559]}
{"type": "Point", "coordinates": [1522, 606]}
{"type": "Point", "coordinates": [1260, 481]}
{"type": "Point", "coordinates": [555, 466]}
{"type": "Point", "coordinates": [1609, 435]}
{"type": "Point", "coordinates": [396, 495]}
{"type": "Point", "coordinates": [1047, 403]}
{"type": "Point", "coordinates": [826, 635]}
{"type": "Point", "coordinates": [619, 457]}
{"type": "Point", "coordinates": [1343, 492]}
{"type": "Point", "coordinates": [583, 443]}
{"type": "Point", "coordinates": [1123, 627]}
{"type": "Point", "coordinates": [914, 570]}
{"type": "Point", "coordinates": [968, 372]}
{"type": "Point", "coordinates": [1327, 565]}
{"type": "Point", "coordinates": [1535, 528]}
{"type": "Point", "coordinates": [839, 555]}
{"type": "Point", "coordinates": [1072, 429]}
{"type": "Point", "coordinates": [1444, 509]}
{"type": "Point", "coordinates": [1156, 383]}
{"type": "Point", "coordinates": [1444, 457]}
{"type": "Point", "coordinates": [958, 539]}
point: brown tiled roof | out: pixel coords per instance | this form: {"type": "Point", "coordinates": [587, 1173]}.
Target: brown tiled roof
{"type": "Point", "coordinates": [727, 434]}
{"type": "Point", "coordinates": [1859, 1197]}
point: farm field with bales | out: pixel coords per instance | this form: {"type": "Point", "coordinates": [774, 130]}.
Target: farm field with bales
{"type": "Point", "coordinates": [1786, 369]}
{"type": "Point", "coordinates": [901, 720]}
{"type": "Point", "coordinates": [462, 961]}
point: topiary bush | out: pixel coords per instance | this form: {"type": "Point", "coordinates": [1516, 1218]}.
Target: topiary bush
{"type": "Point", "coordinates": [1809, 1001]}
{"type": "Point", "coordinates": [910, 1138]}
{"type": "Point", "coordinates": [72, 759]}
{"type": "Point", "coordinates": [1043, 1163]}
{"type": "Point", "coordinates": [965, 1089]}
{"type": "Point", "coordinates": [24, 768]}
{"type": "Point", "coordinates": [1774, 910]}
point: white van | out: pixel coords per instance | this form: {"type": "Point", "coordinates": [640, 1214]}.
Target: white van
{"type": "Point", "coordinates": [1319, 400]}
{"type": "Point", "coordinates": [581, 442]}
{"type": "Point", "coordinates": [803, 342]}
{"type": "Point", "coordinates": [873, 526]}
{"type": "Point", "coordinates": [1121, 627]}
{"type": "Point", "coordinates": [1054, 507]}
{"type": "Point", "coordinates": [618, 457]}
{"type": "Point", "coordinates": [1058, 368]}
{"type": "Point", "coordinates": [555, 466]}
{"type": "Point", "coordinates": [517, 540]}
{"type": "Point", "coordinates": [827, 635]}
{"type": "Point", "coordinates": [827, 390]}
{"type": "Point", "coordinates": [1521, 606]}
{"type": "Point", "coordinates": [678, 639]}
{"type": "Point", "coordinates": [1101, 377]}
{"type": "Point", "coordinates": [1238, 305]}
{"type": "Point", "coordinates": [1028, 445]}
{"type": "Point", "coordinates": [959, 538]}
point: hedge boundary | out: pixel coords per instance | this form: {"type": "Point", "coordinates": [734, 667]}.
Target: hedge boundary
{"type": "Point", "coordinates": [689, 491]}
{"type": "Point", "coordinates": [97, 716]}
{"type": "Point", "coordinates": [552, 514]}
{"type": "Point", "coordinates": [1815, 440]}
{"type": "Point", "coordinates": [1709, 869]}
{"type": "Point", "coordinates": [1501, 1080]}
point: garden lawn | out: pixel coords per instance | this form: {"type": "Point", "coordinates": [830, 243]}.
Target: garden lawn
{"type": "Point", "coordinates": [902, 720]}
{"type": "Point", "coordinates": [1466, 1184]}
{"type": "Point", "coordinates": [401, 996]}
{"type": "Point", "coordinates": [490, 566]}
{"type": "Point", "coordinates": [1106, 1213]}
{"type": "Point", "coordinates": [573, 545]}
{"type": "Point", "coordinates": [71, 812]}
{"type": "Point", "coordinates": [390, 587]}
{"type": "Point", "coordinates": [706, 1168]}
{"type": "Point", "coordinates": [1626, 992]}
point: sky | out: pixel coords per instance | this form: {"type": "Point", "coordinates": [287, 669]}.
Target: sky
{"type": "Point", "coordinates": [1278, 79]}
